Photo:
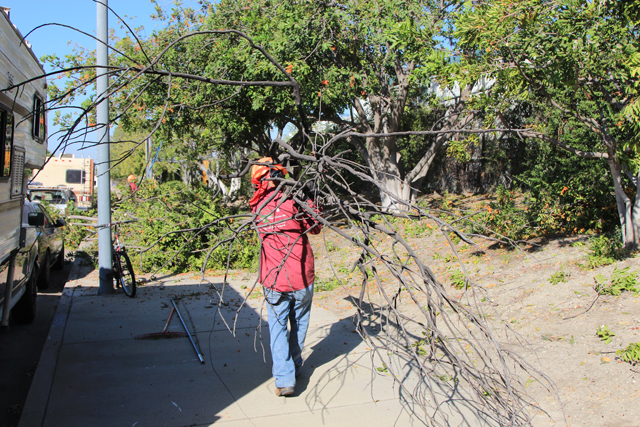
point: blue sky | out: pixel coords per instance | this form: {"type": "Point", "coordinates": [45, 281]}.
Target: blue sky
{"type": "Point", "coordinates": [28, 14]}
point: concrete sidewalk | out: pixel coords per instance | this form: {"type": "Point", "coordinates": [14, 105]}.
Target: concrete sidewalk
{"type": "Point", "coordinates": [94, 373]}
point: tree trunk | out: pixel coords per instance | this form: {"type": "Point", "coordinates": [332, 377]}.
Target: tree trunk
{"type": "Point", "coordinates": [185, 173]}
{"type": "Point", "coordinates": [383, 159]}
{"type": "Point", "coordinates": [394, 193]}
{"type": "Point", "coordinates": [398, 189]}
{"type": "Point", "coordinates": [635, 214]}
{"type": "Point", "coordinates": [628, 212]}
{"type": "Point", "coordinates": [214, 182]}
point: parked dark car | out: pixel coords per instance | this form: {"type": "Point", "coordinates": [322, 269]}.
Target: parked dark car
{"type": "Point", "coordinates": [25, 276]}
{"type": "Point", "coordinates": [50, 242]}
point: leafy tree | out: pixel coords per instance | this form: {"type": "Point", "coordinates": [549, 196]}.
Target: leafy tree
{"type": "Point", "coordinates": [141, 101]}
{"type": "Point", "coordinates": [361, 67]}
{"type": "Point", "coordinates": [126, 159]}
{"type": "Point", "coordinates": [570, 60]}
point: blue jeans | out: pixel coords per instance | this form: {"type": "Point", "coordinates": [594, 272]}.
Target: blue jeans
{"type": "Point", "coordinates": [293, 309]}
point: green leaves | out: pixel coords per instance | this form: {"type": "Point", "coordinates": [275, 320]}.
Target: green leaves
{"type": "Point", "coordinates": [621, 280]}
{"type": "Point", "coordinates": [605, 334]}
{"type": "Point", "coordinates": [631, 354]}
{"type": "Point", "coordinates": [178, 225]}
{"type": "Point", "coordinates": [459, 149]}
{"type": "Point", "coordinates": [558, 277]}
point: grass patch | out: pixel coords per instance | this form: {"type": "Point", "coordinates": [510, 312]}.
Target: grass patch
{"type": "Point", "coordinates": [419, 228]}
{"type": "Point", "coordinates": [604, 250]}
{"type": "Point", "coordinates": [332, 247]}
{"type": "Point", "coordinates": [327, 285]}
{"type": "Point", "coordinates": [558, 277]}
{"type": "Point", "coordinates": [459, 280]}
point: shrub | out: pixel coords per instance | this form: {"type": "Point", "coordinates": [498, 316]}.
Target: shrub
{"type": "Point", "coordinates": [459, 280]}
{"type": "Point", "coordinates": [177, 227]}
{"type": "Point", "coordinates": [604, 250]}
{"type": "Point", "coordinates": [75, 234]}
{"type": "Point", "coordinates": [503, 217]}
{"type": "Point", "coordinates": [567, 194]}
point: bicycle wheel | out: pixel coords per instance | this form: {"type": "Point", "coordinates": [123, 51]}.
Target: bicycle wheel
{"type": "Point", "coordinates": [125, 277]}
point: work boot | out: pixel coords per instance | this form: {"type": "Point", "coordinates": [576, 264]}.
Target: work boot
{"type": "Point", "coordinates": [284, 391]}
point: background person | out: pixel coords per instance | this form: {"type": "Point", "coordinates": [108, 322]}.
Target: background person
{"type": "Point", "coordinates": [286, 270]}
{"type": "Point", "coordinates": [133, 187]}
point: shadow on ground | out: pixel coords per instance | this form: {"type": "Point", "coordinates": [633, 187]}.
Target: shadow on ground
{"type": "Point", "coordinates": [106, 375]}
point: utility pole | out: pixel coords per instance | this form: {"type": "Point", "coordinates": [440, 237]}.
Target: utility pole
{"type": "Point", "coordinates": [104, 177]}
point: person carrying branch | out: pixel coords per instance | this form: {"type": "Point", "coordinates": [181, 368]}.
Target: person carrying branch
{"type": "Point", "coordinates": [286, 269]}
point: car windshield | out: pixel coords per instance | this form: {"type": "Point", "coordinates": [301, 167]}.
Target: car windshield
{"type": "Point", "coordinates": [55, 197]}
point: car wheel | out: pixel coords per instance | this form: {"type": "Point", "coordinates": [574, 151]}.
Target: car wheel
{"type": "Point", "coordinates": [45, 272]}
{"type": "Point", "coordinates": [59, 264]}
{"type": "Point", "coordinates": [25, 310]}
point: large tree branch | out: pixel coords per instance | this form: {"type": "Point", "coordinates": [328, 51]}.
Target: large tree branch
{"type": "Point", "coordinates": [423, 165]}
{"type": "Point", "coordinates": [158, 73]}
{"type": "Point", "coordinates": [397, 107]}
{"type": "Point", "coordinates": [616, 104]}
{"type": "Point", "coordinates": [528, 133]}
{"type": "Point", "coordinates": [590, 122]}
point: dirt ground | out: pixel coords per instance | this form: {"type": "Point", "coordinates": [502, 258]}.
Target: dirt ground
{"type": "Point", "coordinates": [558, 333]}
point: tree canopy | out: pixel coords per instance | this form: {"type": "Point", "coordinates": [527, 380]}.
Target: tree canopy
{"type": "Point", "coordinates": [390, 82]}
{"type": "Point", "coordinates": [573, 62]}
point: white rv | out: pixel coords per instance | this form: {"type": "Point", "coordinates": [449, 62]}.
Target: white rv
{"type": "Point", "coordinates": [22, 146]}
{"type": "Point", "coordinates": [67, 172]}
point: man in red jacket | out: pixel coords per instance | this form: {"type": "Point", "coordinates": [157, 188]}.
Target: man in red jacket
{"type": "Point", "coordinates": [286, 270]}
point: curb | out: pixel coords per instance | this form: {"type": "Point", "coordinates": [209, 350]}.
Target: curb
{"type": "Point", "coordinates": [37, 401]}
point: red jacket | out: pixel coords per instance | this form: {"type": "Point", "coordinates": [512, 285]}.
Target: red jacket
{"type": "Point", "coordinates": [286, 258]}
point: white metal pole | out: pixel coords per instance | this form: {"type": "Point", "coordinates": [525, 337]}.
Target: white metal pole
{"type": "Point", "coordinates": [104, 177]}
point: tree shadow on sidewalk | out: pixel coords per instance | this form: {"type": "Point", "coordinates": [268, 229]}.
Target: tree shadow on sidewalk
{"type": "Point", "coordinates": [378, 374]}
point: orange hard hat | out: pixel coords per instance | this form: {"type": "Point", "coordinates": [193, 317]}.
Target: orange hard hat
{"type": "Point", "coordinates": [260, 171]}
{"type": "Point", "coordinates": [131, 178]}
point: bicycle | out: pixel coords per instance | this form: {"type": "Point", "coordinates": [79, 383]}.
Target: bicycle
{"type": "Point", "coordinates": [120, 263]}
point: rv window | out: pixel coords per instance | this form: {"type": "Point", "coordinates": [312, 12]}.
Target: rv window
{"type": "Point", "coordinates": [51, 196]}
{"type": "Point", "coordinates": [39, 126]}
{"type": "Point", "coordinates": [75, 176]}
{"type": "Point", "coordinates": [6, 121]}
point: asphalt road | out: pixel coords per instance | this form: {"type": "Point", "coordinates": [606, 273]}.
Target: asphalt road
{"type": "Point", "coordinates": [20, 349]}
